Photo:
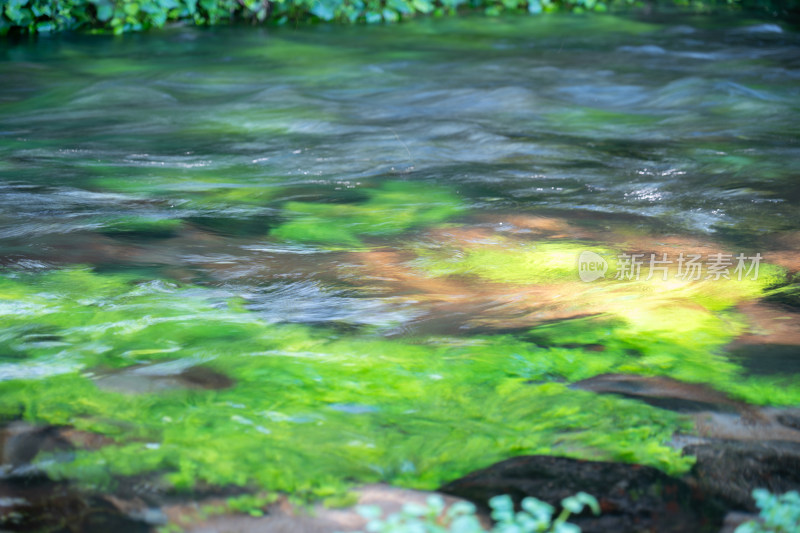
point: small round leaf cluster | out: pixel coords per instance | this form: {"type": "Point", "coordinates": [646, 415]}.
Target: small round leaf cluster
{"type": "Point", "coordinates": [535, 516]}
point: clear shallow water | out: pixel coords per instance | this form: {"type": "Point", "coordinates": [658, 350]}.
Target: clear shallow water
{"type": "Point", "coordinates": [413, 199]}
{"type": "Point", "coordinates": [693, 126]}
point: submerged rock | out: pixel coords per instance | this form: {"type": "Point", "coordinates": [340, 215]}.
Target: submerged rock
{"type": "Point", "coordinates": [633, 498]}
{"type": "Point", "coordinates": [162, 377]}
{"type": "Point", "coordinates": [666, 393]}
{"type": "Point", "coordinates": [731, 470]}
{"type": "Point", "coordinates": [21, 442]}
{"type": "Point", "coordinates": [769, 426]}
{"type": "Point", "coordinates": [35, 503]}
{"type": "Point", "coordinates": [715, 414]}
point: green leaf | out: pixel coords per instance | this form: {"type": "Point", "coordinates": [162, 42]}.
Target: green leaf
{"type": "Point", "coordinates": [105, 12]}
{"type": "Point", "coordinates": [323, 10]}
{"type": "Point", "coordinates": [566, 528]}
{"type": "Point", "coordinates": [588, 499]}
{"type": "Point", "coordinates": [542, 511]}
{"type": "Point", "coordinates": [502, 508]}
{"type": "Point", "coordinates": [401, 6]}
{"type": "Point", "coordinates": [390, 16]}
{"type": "Point", "coordinates": [370, 512]}
{"type": "Point", "coordinates": [41, 11]}
{"type": "Point", "coordinates": [572, 505]}
{"type": "Point", "coordinates": [423, 6]}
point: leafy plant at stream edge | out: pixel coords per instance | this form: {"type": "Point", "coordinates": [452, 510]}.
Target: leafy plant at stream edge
{"type": "Point", "coordinates": [535, 517]}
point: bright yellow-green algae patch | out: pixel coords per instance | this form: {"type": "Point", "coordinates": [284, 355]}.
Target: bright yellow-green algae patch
{"type": "Point", "coordinates": [390, 209]}
{"type": "Point", "coordinates": [310, 411]}
{"type": "Point", "coordinates": [506, 261]}
{"type": "Point", "coordinates": [676, 328]}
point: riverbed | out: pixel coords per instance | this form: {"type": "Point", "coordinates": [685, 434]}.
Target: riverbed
{"type": "Point", "coordinates": [297, 260]}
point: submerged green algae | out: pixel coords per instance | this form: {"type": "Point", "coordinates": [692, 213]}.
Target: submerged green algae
{"type": "Point", "coordinates": [226, 141]}
{"type": "Point", "coordinates": [506, 261]}
{"type": "Point", "coordinates": [201, 189]}
{"type": "Point", "coordinates": [387, 209]}
{"type": "Point", "coordinates": [390, 209]}
{"type": "Point", "coordinates": [644, 325]}
{"type": "Point", "coordinates": [311, 410]}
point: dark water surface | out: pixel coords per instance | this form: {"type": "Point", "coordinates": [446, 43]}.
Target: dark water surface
{"type": "Point", "coordinates": [367, 239]}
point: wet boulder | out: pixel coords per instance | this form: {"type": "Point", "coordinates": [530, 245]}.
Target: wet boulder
{"type": "Point", "coordinates": [633, 498]}
{"type": "Point", "coordinates": [730, 470]}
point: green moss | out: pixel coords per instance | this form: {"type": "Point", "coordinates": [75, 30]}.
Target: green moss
{"type": "Point", "coordinates": [390, 209]}
{"type": "Point", "coordinates": [339, 501]}
{"type": "Point", "coordinates": [200, 190]}
{"type": "Point", "coordinates": [507, 262]}
{"type": "Point", "coordinates": [674, 328]}
{"type": "Point", "coordinates": [250, 503]}
{"type": "Point", "coordinates": [311, 411]}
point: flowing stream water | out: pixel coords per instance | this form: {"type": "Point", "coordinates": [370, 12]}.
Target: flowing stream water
{"type": "Point", "coordinates": [302, 258]}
